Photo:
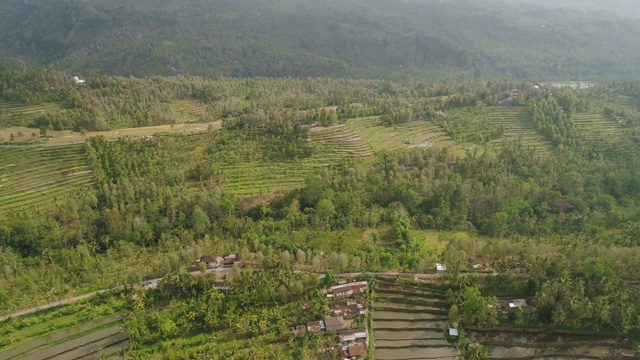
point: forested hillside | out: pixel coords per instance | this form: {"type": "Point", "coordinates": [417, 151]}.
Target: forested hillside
{"type": "Point", "coordinates": [436, 40]}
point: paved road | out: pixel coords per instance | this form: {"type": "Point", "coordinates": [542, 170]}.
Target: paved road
{"type": "Point", "coordinates": [148, 284]}
{"type": "Point", "coordinates": [50, 305]}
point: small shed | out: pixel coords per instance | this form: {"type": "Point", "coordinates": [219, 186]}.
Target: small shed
{"type": "Point", "coordinates": [519, 303]}
{"type": "Point", "coordinates": [453, 333]}
{"type": "Point", "coordinates": [441, 268]}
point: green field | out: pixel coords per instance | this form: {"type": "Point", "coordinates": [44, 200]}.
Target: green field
{"type": "Point", "coordinates": [40, 175]}
{"type": "Point", "coordinates": [417, 133]}
{"type": "Point", "coordinates": [188, 111]}
{"type": "Point", "coordinates": [19, 114]}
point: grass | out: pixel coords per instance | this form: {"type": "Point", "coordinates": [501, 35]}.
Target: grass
{"type": "Point", "coordinates": [39, 175]}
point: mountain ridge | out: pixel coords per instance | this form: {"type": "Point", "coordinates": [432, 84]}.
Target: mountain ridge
{"type": "Point", "coordinates": [458, 40]}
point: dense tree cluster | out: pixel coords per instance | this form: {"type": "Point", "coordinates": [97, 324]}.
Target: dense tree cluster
{"type": "Point", "coordinates": [262, 305]}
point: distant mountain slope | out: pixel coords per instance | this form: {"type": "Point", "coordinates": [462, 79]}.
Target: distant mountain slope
{"type": "Point", "coordinates": [625, 8]}
{"type": "Point", "coordinates": [428, 39]}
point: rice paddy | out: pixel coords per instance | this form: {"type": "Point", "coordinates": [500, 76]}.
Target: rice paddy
{"type": "Point", "coordinates": [83, 330]}
{"type": "Point", "coordinates": [408, 323]}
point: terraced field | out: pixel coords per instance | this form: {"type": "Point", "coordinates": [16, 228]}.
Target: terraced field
{"type": "Point", "coordinates": [517, 127]}
{"type": "Point", "coordinates": [418, 133]}
{"type": "Point", "coordinates": [599, 131]}
{"type": "Point", "coordinates": [337, 142]}
{"type": "Point", "coordinates": [408, 323]}
{"type": "Point", "coordinates": [593, 123]}
{"type": "Point", "coordinates": [102, 336]}
{"type": "Point", "coordinates": [188, 111]}
{"type": "Point", "coordinates": [249, 175]}
{"type": "Point", "coordinates": [81, 330]}
{"type": "Point", "coordinates": [19, 114]}
{"type": "Point", "coordinates": [38, 175]}
{"type": "Point", "coordinates": [545, 345]}
{"type": "Point", "coordinates": [629, 102]}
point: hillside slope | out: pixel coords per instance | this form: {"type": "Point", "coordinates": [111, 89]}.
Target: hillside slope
{"type": "Point", "coordinates": [441, 40]}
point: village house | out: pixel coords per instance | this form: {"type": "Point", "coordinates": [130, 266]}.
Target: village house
{"type": "Point", "coordinates": [353, 288]}
{"type": "Point", "coordinates": [356, 351]}
{"type": "Point", "coordinates": [334, 323]}
{"type": "Point", "coordinates": [441, 268]}
{"type": "Point", "coordinates": [348, 310]}
{"type": "Point", "coordinates": [479, 262]}
{"type": "Point", "coordinates": [231, 260]}
{"type": "Point", "coordinates": [518, 303]}
{"type": "Point", "coordinates": [505, 304]}
{"type": "Point", "coordinates": [348, 337]}
{"type": "Point", "coordinates": [315, 325]}
{"type": "Point", "coordinates": [212, 261]}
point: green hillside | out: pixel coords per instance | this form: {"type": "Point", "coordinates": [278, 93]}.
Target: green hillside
{"type": "Point", "coordinates": [434, 40]}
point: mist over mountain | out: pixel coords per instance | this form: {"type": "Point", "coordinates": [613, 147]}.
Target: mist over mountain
{"type": "Point", "coordinates": [436, 40]}
{"type": "Point", "coordinates": [625, 8]}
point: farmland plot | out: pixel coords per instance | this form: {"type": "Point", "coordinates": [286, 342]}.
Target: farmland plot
{"type": "Point", "coordinates": [543, 345]}
{"type": "Point", "coordinates": [417, 133]}
{"type": "Point", "coordinates": [408, 323]}
{"type": "Point", "coordinates": [39, 175]}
